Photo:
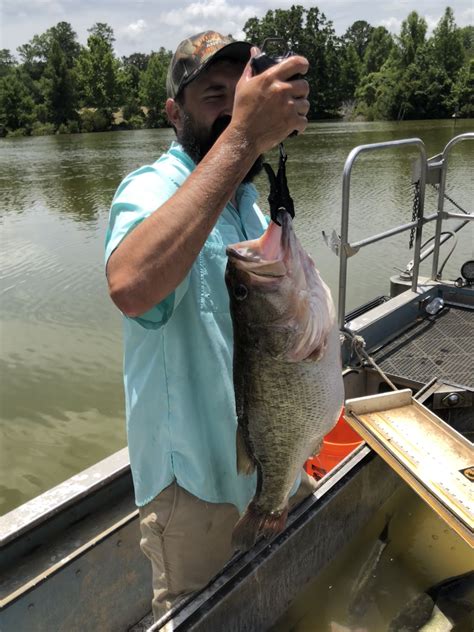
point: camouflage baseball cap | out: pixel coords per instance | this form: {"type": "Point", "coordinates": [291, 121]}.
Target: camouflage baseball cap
{"type": "Point", "coordinates": [195, 54]}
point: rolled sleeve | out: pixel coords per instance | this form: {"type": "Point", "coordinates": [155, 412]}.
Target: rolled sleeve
{"type": "Point", "coordinates": [159, 315]}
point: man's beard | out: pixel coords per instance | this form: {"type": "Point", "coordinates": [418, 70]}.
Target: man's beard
{"type": "Point", "coordinates": [197, 141]}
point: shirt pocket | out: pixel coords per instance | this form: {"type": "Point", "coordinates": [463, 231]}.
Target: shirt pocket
{"type": "Point", "coordinates": [214, 298]}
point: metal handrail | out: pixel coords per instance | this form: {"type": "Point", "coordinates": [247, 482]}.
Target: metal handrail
{"type": "Point", "coordinates": [346, 248]}
{"type": "Point", "coordinates": [441, 214]}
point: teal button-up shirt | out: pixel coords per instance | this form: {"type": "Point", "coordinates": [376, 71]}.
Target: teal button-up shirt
{"type": "Point", "coordinates": [180, 409]}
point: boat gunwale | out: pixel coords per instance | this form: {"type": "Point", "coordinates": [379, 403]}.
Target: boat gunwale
{"type": "Point", "coordinates": [38, 510]}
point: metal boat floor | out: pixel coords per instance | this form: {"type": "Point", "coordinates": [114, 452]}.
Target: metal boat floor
{"type": "Point", "coordinates": [441, 346]}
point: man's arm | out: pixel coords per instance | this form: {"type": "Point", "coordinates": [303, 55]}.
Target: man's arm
{"type": "Point", "coordinates": [156, 256]}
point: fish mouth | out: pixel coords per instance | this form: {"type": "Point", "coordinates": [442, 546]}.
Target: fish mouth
{"type": "Point", "coordinates": [263, 257]}
{"type": "Point", "coordinates": [256, 267]}
{"type": "Point", "coordinates": [237, 253]}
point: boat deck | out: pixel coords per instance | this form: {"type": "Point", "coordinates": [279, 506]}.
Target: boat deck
{"type": "Point", "coordinates": [441, 346]}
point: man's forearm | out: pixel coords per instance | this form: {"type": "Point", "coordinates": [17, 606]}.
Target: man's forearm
{"type": "Point", "coordinates": [151, 262]}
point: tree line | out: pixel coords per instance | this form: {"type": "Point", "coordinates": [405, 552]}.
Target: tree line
{"type": "Point", "coordinates": [60, 86]}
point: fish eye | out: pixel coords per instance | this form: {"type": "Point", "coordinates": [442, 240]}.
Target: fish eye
{"type": "Point", "coordinates": [240, 292]}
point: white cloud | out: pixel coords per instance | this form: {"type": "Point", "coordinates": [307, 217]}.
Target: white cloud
{"type": "Point", "coordinates": [392, 24]}
{"type": "Point", "coordinates": [466, 17]}
{"type": "Point", "coordinates": [205, 15]}
{"type": "Point", "coordinates": [218, 9]}
{"type": "Point", "coordinates": [134, 32]}
{"type": "Point", "coordinates": [431, 22]}
{"type": "Point", "coordinates": [136, 28]}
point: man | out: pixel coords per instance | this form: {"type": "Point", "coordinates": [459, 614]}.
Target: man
{"type": "Point", "coordinates": [169, 225]}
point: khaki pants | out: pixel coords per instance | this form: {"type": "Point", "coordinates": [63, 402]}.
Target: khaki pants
{"type": "Point", "coordinates": [188, 540]}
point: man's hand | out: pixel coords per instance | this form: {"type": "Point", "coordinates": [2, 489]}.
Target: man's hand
{"type": "Point", "coordinates": [270, 106]}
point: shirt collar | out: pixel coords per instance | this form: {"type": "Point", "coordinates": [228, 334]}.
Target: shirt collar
{"type": "Point", "coordinates": [176, 150]}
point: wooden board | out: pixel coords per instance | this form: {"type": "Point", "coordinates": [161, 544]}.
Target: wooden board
{"type": "Point", "coordinates": [435, 460]}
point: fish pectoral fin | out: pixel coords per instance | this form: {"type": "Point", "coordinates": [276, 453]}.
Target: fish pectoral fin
{"type": "Point", "coordinates": [245, 463]}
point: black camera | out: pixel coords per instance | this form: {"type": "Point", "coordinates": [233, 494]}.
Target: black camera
{"type": "Point", "coordinates": [263, 60]}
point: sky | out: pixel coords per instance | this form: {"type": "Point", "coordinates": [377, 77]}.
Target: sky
{"type": "Point", "coordinates": [145, 25]}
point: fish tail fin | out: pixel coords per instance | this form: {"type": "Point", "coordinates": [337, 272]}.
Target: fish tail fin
{"type": "Point", "coordinates": [255, 522]}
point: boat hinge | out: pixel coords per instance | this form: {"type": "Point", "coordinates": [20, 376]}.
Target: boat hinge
{"type": "Point", "coordinates": [433, 171]}
{"type": "Point", "coordinates": [334, 243]}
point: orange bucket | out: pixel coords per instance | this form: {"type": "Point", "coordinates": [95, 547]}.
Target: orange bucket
{"type": "Point", "coordinates": [337, 444]}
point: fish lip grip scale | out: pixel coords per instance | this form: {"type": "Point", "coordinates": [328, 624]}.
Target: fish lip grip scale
{"type": "Point", "coordinates": [279, 197]}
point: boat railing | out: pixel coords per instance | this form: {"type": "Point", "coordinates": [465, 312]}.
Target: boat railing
{"type": "Point", "coordinates": [426, 168]}
{"type": "Point", "coordinates": [442, 214]}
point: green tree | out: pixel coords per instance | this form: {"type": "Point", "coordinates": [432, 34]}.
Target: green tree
{"type": "Point", "coordinates": [378, 49]}
{"type": "Point", "coordinates": [64, 35]}
{"type": "Point", "coordinates": [351, 68]}
{"type": "Point", "coordinates": [131, 71]}
{"type": "Point", "coordinates": [58, 87]}
{"type": "Point", "coordinates": [97, 71]}
{"type": "Point", "coordinates": [426, 86]}
{"type": "Point", "coordinates": [103, 31]}
{"type": "Point", "coordinates": [463, 90]}
{"type": "Point", "coordinates": [287, 24]}
{"type": "Point", "coordinates": [419, 77]}
{"type": "Point", "coordinates": [412, 36]}
{"type": "Point", "coordinates": [381, 96]}
{"type": "Point", "coordinates": [394, 72]}
{"type": "Point", "coordinates": [137, 60]}
{"type": "Point", "coordinates": [16, 103]}
{"type": "Point", "coordinates": [448, 44]}
{"type": "Point", "coordinates": [7, 62]}
{"type": "Point", "coordinates": [153, 87]}
{"type": "Point", "coordinates": [35, 57]}
{"type": "Point", "coordinates": [323, 52]}
{"type": "Point", "coordinates": [34, 54]}
{"type": "Point", "coordinates": [358, 34]}
{"type": "Point", "coordinates": [467, 38]}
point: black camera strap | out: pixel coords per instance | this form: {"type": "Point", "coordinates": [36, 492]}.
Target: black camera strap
{"type": "Point", "coordinates": [279, 198]}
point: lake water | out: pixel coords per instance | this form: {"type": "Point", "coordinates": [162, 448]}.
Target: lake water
{"type": "Point", "coordinates": [61, 398]}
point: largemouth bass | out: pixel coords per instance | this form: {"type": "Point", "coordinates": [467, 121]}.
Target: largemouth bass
{"type": "Point", "coordinates": [287, 369]}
